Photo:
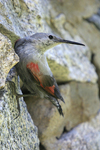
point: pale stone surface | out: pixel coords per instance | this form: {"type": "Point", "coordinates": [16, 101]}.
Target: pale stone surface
{"type": "Point", "coordinates": [21, 17]}
{"type": "Point", "coordinates": [95, 19]}
{"type": "Point", "coordinates": [16, 133]}
{"type": "Point", "coordinates": [95, 22]}
{"type": "Point", "coordinates": [81, 104]}
{"type": "Point", "coordinates": [75, 10]}
{"type": "Point", "coordinates": [8, 59]}
{"type": "Point", "coordinates": [85, 136]}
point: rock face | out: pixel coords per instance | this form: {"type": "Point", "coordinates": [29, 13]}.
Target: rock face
{"type": "Point", "coordinates": [83, 137]}
{"type": "Point", "coordinates": [8, 59]}
{"type": "Point", "coordinates": [17, 131]}
{"type": "Point", "coordinates": [78, 21]}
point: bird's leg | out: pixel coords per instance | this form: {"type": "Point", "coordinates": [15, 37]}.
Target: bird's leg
{"type": "Point", "coordinates": [19, 95]}
{"type": "Point", "coordinates": [56, 103]}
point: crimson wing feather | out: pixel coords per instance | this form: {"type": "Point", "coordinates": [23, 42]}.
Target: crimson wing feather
{"type": "Point", "coordinates": [45, 81]}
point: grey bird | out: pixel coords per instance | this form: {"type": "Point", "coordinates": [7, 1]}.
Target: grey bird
{"type": "Point", "coordinates": [33, 67]}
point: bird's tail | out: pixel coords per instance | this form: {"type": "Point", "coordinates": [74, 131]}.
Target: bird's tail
{"type": "Point", "coordinates": [56, 103]}
{"type": "Point", "coordinates": [61, 98]}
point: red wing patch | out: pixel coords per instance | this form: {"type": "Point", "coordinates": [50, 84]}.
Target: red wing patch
{"type": "Point", "coordinates": [34, 68]}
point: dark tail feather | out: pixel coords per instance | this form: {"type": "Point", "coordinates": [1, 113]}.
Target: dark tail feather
{"type": "Point", "coordinates": [57, 93]}
{"type": "Point", "coordinates": [56, 103]}
{"type": "Point", "coordinates": [61, 98]}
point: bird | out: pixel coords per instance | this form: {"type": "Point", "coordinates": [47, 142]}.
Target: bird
{"type": "Point", "coordinates": [33, 68]}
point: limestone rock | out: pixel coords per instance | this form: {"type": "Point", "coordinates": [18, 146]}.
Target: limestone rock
{"type": "Point", "coordinates": [95, 23]}
{"type": "Point", "coordinates": [81, 104]}
{"type": "Point", "coordinates": [21, 17]}
{"type": "Point", "coordinates": [8, 59]}
{"type": "Point", "coordinates": [85, 136]}
{"type": "Point", "coordinates": [75, 10]}
{"type": "Point", "coordinates": [15, 133]}
{"type": "Point", "coordinates": [95, 19]}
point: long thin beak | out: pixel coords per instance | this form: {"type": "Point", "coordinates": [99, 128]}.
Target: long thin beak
{"type": "Point", "coordinates": [70, 42]}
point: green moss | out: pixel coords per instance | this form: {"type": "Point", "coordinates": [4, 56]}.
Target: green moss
{"type": "Point", "coordinates": [13, 37]}
{"type": "Point", "coordinates": [61, 73]}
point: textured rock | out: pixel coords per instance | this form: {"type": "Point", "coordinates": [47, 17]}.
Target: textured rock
{"type": "Point", "coordinates": [21, 17]}
{"type": "Point", "coordinates": [75, 10]}
{"type": "Point", "coordinates": [81, 104]}
{"type": "Point", "coordinates": [86, 136]}
{"type": "Point", "coordinates": [91, 35]}
{"type": "Point", "coordinates": [19, 133]}
{"type": "Point", "coordinates": [8, 59]}
{"type": "Point", "coordinates": [95, 19]}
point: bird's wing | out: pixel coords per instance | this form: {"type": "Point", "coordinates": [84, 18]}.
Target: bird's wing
{"type": "Point", "coordinates": [44, 81]}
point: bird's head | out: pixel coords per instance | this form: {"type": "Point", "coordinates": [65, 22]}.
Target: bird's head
{"type": "Point", "coordinates": [45, 41]}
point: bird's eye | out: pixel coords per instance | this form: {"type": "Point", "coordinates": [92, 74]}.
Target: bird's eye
{"type": "Point", "coordinates": [50, 37]}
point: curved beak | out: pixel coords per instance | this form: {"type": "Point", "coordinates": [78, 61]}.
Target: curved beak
{"type": "Point", "coordinates": [70, 42]}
